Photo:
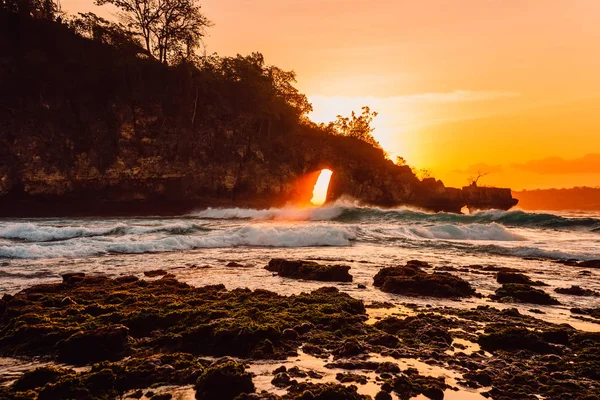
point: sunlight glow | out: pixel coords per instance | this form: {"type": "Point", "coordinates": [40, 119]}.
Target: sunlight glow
{"type": "Point", "coordinates": [320, 189]}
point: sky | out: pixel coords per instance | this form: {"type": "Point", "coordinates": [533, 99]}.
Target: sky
{"type": "Point", "coordinates": [508, 88]}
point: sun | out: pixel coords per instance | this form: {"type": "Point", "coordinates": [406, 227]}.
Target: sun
{"type": "Point", "coordinates": [320, 189]}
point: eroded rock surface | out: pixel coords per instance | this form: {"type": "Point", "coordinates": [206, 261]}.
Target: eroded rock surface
{"type": "Point", "coordinates": [309, 270]}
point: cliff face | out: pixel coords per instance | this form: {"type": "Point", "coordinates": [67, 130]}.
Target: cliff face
{"type": "Point", "coordinates": [86, 128]}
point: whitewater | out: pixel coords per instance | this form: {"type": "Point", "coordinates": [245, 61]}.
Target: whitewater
{"type": "Point", "coordinates": [231, 246]}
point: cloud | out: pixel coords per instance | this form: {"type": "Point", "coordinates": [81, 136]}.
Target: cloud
{"type": "Point", "coordinates": [588, 164]}
{"type": "Point", "coordinates": [479, 168]}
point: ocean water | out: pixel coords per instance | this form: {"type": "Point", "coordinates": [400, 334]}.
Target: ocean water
{"type": "Point", "coordinates": [197, 248]}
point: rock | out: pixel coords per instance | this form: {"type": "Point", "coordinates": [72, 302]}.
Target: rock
{"type": "Point", "coordinates": [309, 270]}
{"type": "Point", "coordinates": [155, 273]}
{"type": "Point", "coordinates": [589, 264]}
{"type": "Point", "coordinates": [524, 294]}
{"type": "Point", "coordinates": [84, 347]}
{"type": "Point", "coordinates": [413, 384]}
{"type": "Point", "coordinates": [39, 377]}
{"type": "Point", "coordinates": [383, 396]}
{"type": "Point", "coordinates": [349, 378]}
{"type": "Point", "coordinates": [515, 277]}
{"type": "Point", "coordinates": [349, 348]}
{"type": "Point", "coordinates": [234, 264]}
{"type": "Point", "coordinates": [324, 391]}
{"type": "Point", "coordinates": [135, 395]}
{"type": "Point", "coordinates": [512, 338]}
{"type": "Point", "coordinates": [592, 312]}
{"type": "Point", "coordinates": [289, 334]}
{"type": "Point", "coordinates": [384, 339]}
{"type": "Point", "coordinates": [481, 378]}
{"type": "Point", "coordinates": [73, 278]}
{"type": "Point", "coordinates": [279, 370]}
{"type": "Point", "coordinates": [575, 290]}
{"type": "Point", "coordinates": [412, 281]}
{"type": "Point", "coordinates": [224, 379]}
{"type": "Point", "coordinates": [282, 380]}
{"type": "Point", "coordinates": [297, 372]}
{"type": "Point", "coordinates": [361, 286]}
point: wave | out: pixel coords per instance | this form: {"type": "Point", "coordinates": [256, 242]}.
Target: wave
{"type": "Point", "coordinates": [492, 231]}
{"type": "Point", "coordinates": [324, 213]}
{"type": "Point", "coordinates": [245, 236]}
{"type": "Point", "coordinates": [344, 211]}
{"type": "Point", "coordinates": [30, 232]}
{"type": "Point", "coordinates": [515, 218]}
{"type": "Point", "coordinates": [530, 251]}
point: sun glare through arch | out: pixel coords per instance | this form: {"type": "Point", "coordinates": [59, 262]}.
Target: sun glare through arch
{"type": "Point", "coordinates": [320, 190]}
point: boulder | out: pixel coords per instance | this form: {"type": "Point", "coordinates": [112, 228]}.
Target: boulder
{"type": "Point", "coordinates": [523, 294]}
{"type": "Point", "coordinates": [309, 270]}
{"type": "Point", "coordinates": [225, 379]}
{"type": "Point", "coordinates": [84, 347]}
{"type": "Point", "coordinates": [411, 280]}
{"type": "Point", "coordinates": [575, 290]}
{"type": "Point", "coordinates": [515, 277]}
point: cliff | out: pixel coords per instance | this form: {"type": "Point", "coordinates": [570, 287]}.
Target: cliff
{"type": "Point", "coordinates": [89, 127]}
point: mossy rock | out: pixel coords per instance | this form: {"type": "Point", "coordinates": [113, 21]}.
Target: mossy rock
{"type": "Point", "coordinates": [523, 294]}
{"type": "Point", "coordinates": [411, 280]}
{"type": "Point", "coordinates": [309, 270]}
{"type": "Point", "coordinates": [224, 379]}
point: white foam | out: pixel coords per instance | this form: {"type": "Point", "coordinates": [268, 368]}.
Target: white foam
{"type": "Point", "coordinates": [36, 233]}
{"type": "Point", "coordinates": [324, 213]}
{"type": "Point", "coordinates": [264, 236]}
{"type": "Point", "coordinates": [493, 232]}
{"type": "Point", "coordinates": [44, 233]}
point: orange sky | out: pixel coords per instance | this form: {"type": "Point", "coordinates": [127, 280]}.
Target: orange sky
{"type": "Point", "coordinates": [509, 87]}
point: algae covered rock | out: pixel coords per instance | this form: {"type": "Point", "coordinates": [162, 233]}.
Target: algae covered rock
{"type": "Point", "coordinates": [523, 294]}
{"type": "Point", "coordinates": [225, 379]}
{"type": "Point", "coordinates": [511, 338]}
{"type": "Point", "coordinates": [411, 280]}
{"type": "Point", "coordinates": [309, 270]}
{"type": "Point", "coordinates": [39, 377]}
{"type": "Point", "coordinates": [109, 343]}
{"type": "Point", "coordinates": [515, 277]}
{"type": "Point", "coordinates": [575, 290]}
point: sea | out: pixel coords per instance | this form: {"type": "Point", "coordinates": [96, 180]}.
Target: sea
{"type": "Point", "coordinates": [232, 246]}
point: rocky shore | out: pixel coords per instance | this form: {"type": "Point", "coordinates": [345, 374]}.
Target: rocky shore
{"type": "Point", "coordinates": [92, 337]}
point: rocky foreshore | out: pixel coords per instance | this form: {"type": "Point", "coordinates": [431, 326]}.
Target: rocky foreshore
{"type": "Point", "coordinates": [93, 337]}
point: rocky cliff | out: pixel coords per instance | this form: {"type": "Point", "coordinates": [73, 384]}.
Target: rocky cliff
{"type": "Point", "coordinates": [89, 128]}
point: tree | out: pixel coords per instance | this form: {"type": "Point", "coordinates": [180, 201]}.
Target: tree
{"type": "Point", "coordinates": [401, 161]}
{"type": "Point", "coordinates": [170, 30]}
{"type": "Point", "coordinates": [473, 180]}
{"type": "Point", "coordinates": [43, 9]}
{"type": "Point", "coordinates": [93, 27]}
{"type": "Point", "coordinates": [356, 126]}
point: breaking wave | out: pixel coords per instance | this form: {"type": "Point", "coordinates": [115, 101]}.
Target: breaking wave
{"type": "Point", "coordinates": [463, 232]}
{"type": "Point", "coordinates": [30, 232]}
{"type": "Point", "coordinates": [245, 236]}
{"type": "Point", "coordinates": [324, 213]}
{"type": "Point", "coordinates": [348, 212]}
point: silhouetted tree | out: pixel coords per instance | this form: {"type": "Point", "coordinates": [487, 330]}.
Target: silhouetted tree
{"type": "Point", "coordinates": [356, 126]}
{"type": "Point", "coordinates": [43, 9]}
{"type": "Point", "coordinates": [93, 27]}
{"type": "Point", "coordinates": [401, 161]}
{"type": "Point", "coordinates": [474, 180]}
{"type": "Point", "coordinates": [171, 30]}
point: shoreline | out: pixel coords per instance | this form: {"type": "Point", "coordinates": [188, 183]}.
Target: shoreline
{"type": "Point", "coordinates": [330, 343]}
